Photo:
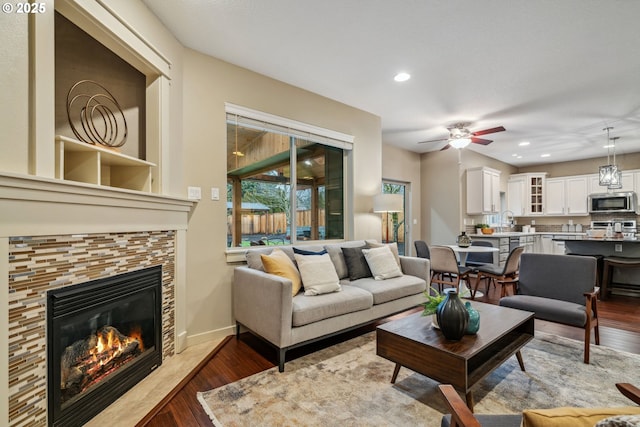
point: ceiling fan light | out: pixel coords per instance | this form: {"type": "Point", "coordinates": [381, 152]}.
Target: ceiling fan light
{"type": "Point", "coordinates": [460, 142]}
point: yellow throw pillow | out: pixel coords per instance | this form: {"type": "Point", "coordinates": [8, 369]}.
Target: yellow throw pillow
{"type": "Point", "coordinates": [280, 264]}
{"type": "Point", "coordinates": [572, 417]}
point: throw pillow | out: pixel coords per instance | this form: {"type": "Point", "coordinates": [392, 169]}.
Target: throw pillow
{"type": "Point", "coordinates": [318, 274]}
{"type": "Point", "coordinates": [356, 263]}
{"type": "Point", "coordinates": [620, 421]}
{"type": "Point", "coordinates": [306, 252]}
{"type": "Point", "coordinates": [393, 246]}
{"type": "Point", "coordinates": [382, 263]}
{"type": "Point", "coordinates": [280, 264]}
{"type": "Point", "coordinates": [572, 416]}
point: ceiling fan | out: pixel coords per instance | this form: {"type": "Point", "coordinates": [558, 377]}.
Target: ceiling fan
{"type": "Point", "coordinates": [460, 136]}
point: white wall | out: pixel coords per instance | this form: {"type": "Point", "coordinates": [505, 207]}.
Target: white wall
{"type": "Point", "coordinates": [208, 84]}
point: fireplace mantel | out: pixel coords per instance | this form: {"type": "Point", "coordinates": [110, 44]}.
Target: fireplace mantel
{"type": "Point", "coordinates": [43, 209]}
{"type": "Point", "coordinates": [41, 206]}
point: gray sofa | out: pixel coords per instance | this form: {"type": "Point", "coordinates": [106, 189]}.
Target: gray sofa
{"type": "Point", "coordinates": [263, 302]}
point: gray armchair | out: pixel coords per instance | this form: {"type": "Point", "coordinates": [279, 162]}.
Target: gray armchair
{"type": "Point", "coordinates": [558, 288]}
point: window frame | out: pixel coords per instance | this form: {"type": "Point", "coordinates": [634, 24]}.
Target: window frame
{"type": "Point", "coordinates": [295, 129]}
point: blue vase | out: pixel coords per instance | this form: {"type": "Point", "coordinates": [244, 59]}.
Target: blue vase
{"type": "Point", "coordinates": [452, 316]}
{"type": "Point", "coordinates": [474, 319]}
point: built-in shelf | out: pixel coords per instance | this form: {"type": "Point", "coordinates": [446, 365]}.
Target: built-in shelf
{"type": "Point", "coordinates": [93, 164]}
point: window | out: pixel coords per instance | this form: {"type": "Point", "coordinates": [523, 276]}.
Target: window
{"type": "Point", "coordinates": [284, 183]}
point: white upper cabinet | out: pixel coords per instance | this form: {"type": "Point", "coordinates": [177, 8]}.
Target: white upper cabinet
{"type": "Point", "coordinates": [483, 191]}
{"type": "Point", "coordinates": [628, 183]}
{"type": "Point", "coordinates": [525, 194]}
{"type": "Point", "coordinates": [567, 196]}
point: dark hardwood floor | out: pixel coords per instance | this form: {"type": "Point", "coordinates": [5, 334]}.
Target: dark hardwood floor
{"type": "Point", "coordinates": [235, 358]}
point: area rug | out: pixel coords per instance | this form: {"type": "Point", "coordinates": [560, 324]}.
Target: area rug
{"type": "Point", "coordinates": [349, 385]}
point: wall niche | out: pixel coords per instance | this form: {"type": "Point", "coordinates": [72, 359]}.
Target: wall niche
{"type": "Point", "coordinates": [78, 56]}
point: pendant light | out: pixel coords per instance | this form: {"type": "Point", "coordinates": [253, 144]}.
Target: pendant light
{"type": "Point", "coordinates": [609, 176]}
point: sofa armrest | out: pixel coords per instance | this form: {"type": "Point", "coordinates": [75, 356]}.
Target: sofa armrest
{"type": "Point", "coordinates": [262, 302]}
{"type": "Point", "coordinates": [419, 267]}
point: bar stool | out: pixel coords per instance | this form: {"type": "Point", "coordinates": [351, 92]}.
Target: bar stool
{"type": "Point", "coordinates": [610, 263]}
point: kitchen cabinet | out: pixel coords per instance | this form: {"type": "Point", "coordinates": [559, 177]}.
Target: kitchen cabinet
{"type": "Point", "coordinates": [483, 191]}
{"type": "Point", "coordinates": [567, 196]}
{"type": "Point", "coordinates": [629, 183]}
{"type": "Point", "coordinates": [525, 194]}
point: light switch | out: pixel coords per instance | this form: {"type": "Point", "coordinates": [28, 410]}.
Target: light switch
{"type": "Point", "coordinates": [215, 193]}
{"type": "Point", "coordinates": [194, 193]}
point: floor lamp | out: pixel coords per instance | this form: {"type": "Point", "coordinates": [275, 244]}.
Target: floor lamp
{"type": "Point", "coordinates": [388, 203]}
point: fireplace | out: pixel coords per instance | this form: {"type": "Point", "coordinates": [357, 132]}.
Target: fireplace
{"type": "Point", "coordinates": [103, 337]}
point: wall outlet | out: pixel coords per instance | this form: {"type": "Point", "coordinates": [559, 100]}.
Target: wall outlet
{"type": "Point", "coordinates": [194, 193]}
{"type": "Point", "coordinates": [618, 247]}
{"type": "Point", "coordinates": [533, 222]}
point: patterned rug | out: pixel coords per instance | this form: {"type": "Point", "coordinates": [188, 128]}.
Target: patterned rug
{"type": "Point", "coordinates": [348, 385]}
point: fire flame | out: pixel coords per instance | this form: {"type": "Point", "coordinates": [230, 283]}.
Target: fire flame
{"type": "Point", "coordinates": [109, 346]}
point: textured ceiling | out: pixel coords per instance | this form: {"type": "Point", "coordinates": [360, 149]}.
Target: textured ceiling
{"type": "Point", "coordinates": [553, 73]}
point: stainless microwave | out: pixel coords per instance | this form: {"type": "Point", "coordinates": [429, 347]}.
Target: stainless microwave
{"type": "Point", "coordinates": [613, 202]}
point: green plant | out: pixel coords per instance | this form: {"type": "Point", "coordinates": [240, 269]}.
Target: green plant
{"type": "Point", "coordinates": [483, 226]}
{"type": "Point", "coordinates": [434, 298]}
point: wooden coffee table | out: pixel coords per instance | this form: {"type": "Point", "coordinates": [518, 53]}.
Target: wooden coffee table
{"type": "Point", "coordinates": [414, 343]}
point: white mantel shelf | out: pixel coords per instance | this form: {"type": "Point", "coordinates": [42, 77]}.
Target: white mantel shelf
{"type": "Point", "coordinates": [31, 205]}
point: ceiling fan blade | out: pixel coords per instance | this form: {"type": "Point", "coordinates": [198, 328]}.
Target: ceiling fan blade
{"type": "Point", "coordinates": [434, 140]}
{"type": "Point", "coordinates": [488, 131]}
{"type": "Point", "coordinates": [481, 141]}
{"type": "Point", "coordinates": [445, 147]}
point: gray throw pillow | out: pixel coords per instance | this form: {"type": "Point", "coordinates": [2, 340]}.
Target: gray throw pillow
{"type": "Point", "coordinates": [356, 263]}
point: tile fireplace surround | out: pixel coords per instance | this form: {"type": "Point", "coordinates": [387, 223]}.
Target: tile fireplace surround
{"type": "Point", "coordinates": [39, 264]}
{"type": "Point", "coordinates": [55, 234]}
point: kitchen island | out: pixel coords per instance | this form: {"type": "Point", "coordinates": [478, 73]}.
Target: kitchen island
{"type": "Point", "coordinates": [625, 281]}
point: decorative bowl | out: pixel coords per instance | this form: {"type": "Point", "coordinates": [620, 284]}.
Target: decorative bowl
{"type": "Point", "coordinates": [487, 230]}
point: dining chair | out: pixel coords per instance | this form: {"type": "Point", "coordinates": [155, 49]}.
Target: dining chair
{"type": "Point", "coordinates": [445, 269]}
{"type": "Point", "coordinates": [422, 250]}
{"type": "Point", "coordinates": [476, 259]}
{"type": "Point", "coordinates": [492, 273]}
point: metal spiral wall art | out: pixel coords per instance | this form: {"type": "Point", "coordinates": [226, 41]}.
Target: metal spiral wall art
{"type": "Point", "coordinates": [100, 115]}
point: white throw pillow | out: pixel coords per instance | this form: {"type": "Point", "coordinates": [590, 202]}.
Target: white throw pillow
{"type": "Point", "coordinates": [382, 263]}
{"type": "Point", "coordinates": [318, 274]}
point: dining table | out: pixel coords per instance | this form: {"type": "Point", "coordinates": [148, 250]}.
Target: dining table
{"type": "Point", "coordinates": [463, 252]}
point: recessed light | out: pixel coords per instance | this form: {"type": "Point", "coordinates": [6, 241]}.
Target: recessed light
{"type": "Point", "coordinates": [519, 157]}
{"type": "Point", "coordinates": [514, 155]}
{"type": "Point", "coordinates": [608, 146]}
{"type": "Point", "coordinates": [524, 143]}
{"type": "Point", "coordinates": [402, 77]}
{"type": "Point", "coordinates": [545, 155]}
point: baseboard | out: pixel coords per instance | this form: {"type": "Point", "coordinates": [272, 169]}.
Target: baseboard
{"type": "Point", "coordinates": [208, 336]}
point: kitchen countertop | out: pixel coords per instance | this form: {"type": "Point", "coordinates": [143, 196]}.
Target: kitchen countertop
{"type": "Point", "coordinates": [603, 239]}
{"type": "Point", "coordinates": [520, 233]}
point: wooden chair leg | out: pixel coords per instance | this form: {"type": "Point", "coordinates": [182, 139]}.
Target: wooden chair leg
{"type": "Point", "coordinates": [587, 342]}
{"type": "Point", "coordinates": [475, 286]}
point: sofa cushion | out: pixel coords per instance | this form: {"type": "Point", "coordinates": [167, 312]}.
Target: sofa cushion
{"type": "Point", "coordinates": [254, 260]}
{"type": "Point", "coordinates": [356, 263]}
{"type": "Point", "coordinates": [309, 309]}
{"type": "Point", "coordinates": [279, 263]}
{"type": "Point", "coordinates": [393, 246]}
{"type": "Point", "coordinates": [572, 417]}
{"type": "Point", "coordinates": [318, 274]}
{"type": "Point", "coordinates": [382, 263]}
{"type": "Point", "coordinates": [548, 309]}
{"type": "Point", "coordinates": [390, 289]}
{"type": "Point", "coordinates": [337, 257]}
